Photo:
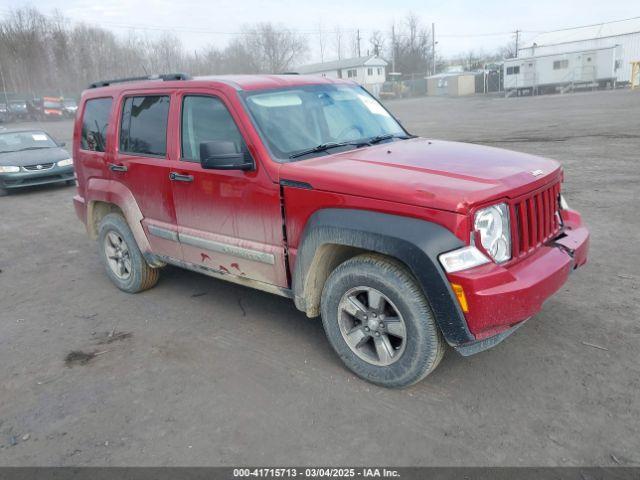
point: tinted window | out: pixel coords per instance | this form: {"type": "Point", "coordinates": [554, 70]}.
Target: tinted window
{"type": "Point", "coordinates": [206, 119]}
{"type": "Point", "coordinates": [144, 125]}
{"type": "Point", "coordinates": [94, 124]}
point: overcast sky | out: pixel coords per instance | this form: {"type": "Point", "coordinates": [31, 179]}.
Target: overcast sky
{"type": "Point", "coordinates": [460, 25]}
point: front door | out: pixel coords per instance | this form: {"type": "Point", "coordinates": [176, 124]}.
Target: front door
{"type": "Point", "coordinates": [229, 221]}
{"type": "Point", "coordinates": [141, 164]}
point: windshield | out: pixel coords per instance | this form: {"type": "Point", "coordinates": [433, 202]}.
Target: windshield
{"type": "Point", "coordinates": [16, 141]}
{"type": "Point", "coordinates": [298, 119]}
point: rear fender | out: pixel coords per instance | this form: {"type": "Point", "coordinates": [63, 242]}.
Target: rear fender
{"type": "Point", "coordinates": [100, 191]}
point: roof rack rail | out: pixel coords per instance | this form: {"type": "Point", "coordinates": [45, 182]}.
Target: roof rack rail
{"type": "Point", "coordinates": [164, 77]}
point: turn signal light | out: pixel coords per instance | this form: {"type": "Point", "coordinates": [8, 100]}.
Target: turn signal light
{"type": "Point", "coordinates": [459, 291]}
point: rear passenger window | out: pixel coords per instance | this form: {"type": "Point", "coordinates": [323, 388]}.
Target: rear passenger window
{"type": "Point", "coordinates": [144, 125]}
{"type": "Point", "coordinates": [94, 124]}
{"type": "Point", "coordinates": [206, 119]}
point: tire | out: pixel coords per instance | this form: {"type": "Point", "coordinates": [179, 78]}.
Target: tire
{"type": "Point", "coordinates": [412, 357]}
{"type": "Point", "coordinates": [3, 192]}
{"type": "Point", "coordinates": [70, 183]}
{"type": "Point", "coordinates": [121, 257]}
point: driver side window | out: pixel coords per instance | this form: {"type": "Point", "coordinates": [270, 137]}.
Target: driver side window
{"type": "Point", "coordinates": [206, 119]}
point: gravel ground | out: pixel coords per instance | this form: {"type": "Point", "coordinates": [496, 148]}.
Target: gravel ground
{"type": "Point", "coordinates": [209, 373]}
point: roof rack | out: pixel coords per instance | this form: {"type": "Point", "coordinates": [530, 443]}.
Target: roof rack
{"type": "Point", "coordinates": [164, 77]}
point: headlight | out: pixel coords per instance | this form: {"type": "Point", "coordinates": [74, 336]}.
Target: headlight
{"type": "Point", "coordinates": [8, 169]}
{"type": "Point", "coordinates": [492, 223]}
{"type": "Point", "coordinates": [462, 259]}
{"type": "Point", "coordinates": [563, 203]}
{"type": "Point", "coordinates": [65, 162]}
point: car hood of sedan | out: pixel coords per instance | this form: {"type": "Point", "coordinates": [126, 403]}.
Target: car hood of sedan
{"type": "Point", "coordinates": [33, 157]}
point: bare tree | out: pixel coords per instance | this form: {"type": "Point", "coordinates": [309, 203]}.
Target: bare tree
{"type": "Point", "coordinates": [46, 55]}
{"type": "Point", "coordinates": [412, 46]}
{"type": "Point", "coordinates": [272, 50]}
{"type": "Point", "coordinates": [376, 40]}
{"type": "Point", "coordinates": [508, 50]}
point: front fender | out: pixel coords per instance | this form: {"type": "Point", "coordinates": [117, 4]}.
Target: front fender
{"type": "Point", "coordinates": [416, 243]}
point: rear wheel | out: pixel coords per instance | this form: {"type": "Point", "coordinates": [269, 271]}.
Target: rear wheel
{"type": "Point", "coordinates": [379, 322]}
{"type": "Point", "coordinates": [123, 261]}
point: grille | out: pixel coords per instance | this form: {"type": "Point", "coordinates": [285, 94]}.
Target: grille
{"type": "Point", "coordinates": [536, 219]}
{"type": "Point", "coordinates": [34, 168]}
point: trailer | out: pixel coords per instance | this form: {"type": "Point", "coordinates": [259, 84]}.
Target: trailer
{"type": "Point", "coordinates": [562, 72]}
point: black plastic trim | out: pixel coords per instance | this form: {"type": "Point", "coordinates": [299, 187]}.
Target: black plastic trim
{"type": "Point", "coordinates": [164, 77]}
{"type": "Point", "coordinates": [417, 243]}
{"type": "Point", "coordinates": [295, 184]}
{"type": "Point", "coordinates": [478, 346]}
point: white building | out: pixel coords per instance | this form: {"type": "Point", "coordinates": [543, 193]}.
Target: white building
{"type": "Point", "coordinates": [624, 33]}
{"type": "Point", "coordinates": [370, 72]}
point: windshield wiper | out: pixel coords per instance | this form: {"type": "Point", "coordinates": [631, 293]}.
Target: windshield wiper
{"type": "Point", "coordinates": [326, 146]}
{"type": "Point", "coordinates": [388, 136]}
{"type": "Point", "coordinates": [30, 148]}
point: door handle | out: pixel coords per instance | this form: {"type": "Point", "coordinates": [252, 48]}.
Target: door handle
{"type": "Point", "coordinates": [177, 177]}
{"type": "Point", "coordinates": [117, 168]}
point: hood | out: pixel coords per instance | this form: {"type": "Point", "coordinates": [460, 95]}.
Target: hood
{"type": "Point", "coordinates": [34, 157]}
{"type": "Point", "coordinates": [432, 173]}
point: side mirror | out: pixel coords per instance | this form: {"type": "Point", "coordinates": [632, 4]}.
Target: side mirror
{"type": "Point", "coordinates": [222, 155]}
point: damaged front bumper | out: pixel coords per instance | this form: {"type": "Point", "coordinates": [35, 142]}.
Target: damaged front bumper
{"type": "Point", "coordinates": [501, 298]}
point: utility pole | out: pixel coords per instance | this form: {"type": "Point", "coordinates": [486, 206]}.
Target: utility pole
{"type": "Point", "coordinates": [393, 47]}
{"type": "Point", "coordinates": [4, 89]}
{"type": "Point", "coordinates": [433, 48]}
{"type": "Point", "coordinates": [517, 41]}
{"type": "Point", "coordinates": [321, 43]}
{"type": "Point", "coordinates": [358, 41]}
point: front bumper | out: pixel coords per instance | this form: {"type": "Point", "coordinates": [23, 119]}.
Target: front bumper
{"type": "Point", "coordinates": [27, 179]}
{"type": "Point", "coordinates": [499, 297]}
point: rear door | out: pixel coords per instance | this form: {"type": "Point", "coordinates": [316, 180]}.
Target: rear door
{"type": "Point", "coordinates": [92, 153]}
{"type": "Point", "coordinates": [229, 221]}
{"type": "Point", "coordinates": [142, 164]}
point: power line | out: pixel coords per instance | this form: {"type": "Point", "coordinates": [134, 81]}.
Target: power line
{"type": "Point", "coordinates": [195, 30]}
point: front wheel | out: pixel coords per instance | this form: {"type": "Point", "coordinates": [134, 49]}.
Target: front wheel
{"type": "Point", "coordinates": [123, 261]}
{"type": "Point", "coordinates": [379, 322]}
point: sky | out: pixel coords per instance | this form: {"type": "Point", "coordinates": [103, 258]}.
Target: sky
{"type": "Point", "coordinates": [460, 26]}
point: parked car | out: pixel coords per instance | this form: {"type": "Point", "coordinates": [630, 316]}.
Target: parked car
{"type": "Point", "coordinates": [308, 188]}
{"type": "Point", "coordinates": [69, 107]}
{"type": "Point", "coordinates": [46, 108]}
{"type": "Point", "coordinates": [32, 157]}
{"type": "Point", "coordinates": [4, 113]}
{"type": "Point", "coordinates": [18, 110]}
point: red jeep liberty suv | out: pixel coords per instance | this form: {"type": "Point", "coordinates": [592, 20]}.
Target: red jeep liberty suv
{"type": "Point", "coordinates": [308, 188]}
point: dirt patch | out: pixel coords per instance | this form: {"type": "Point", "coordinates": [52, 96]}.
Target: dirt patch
{"type": "Point", "coordinates": [78, 357]}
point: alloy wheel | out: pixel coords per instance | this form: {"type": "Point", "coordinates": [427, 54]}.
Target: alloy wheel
{"type": "Point", "coordinates": [372, 326]}
{"type": "Point", "coordinates": [117, 253]}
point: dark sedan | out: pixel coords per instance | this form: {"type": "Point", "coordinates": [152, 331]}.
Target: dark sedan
{"type": "Point", "coordinates": [32, 157]}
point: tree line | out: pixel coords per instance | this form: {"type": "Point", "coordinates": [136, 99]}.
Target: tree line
{"type": "Point", "coordinates": [46, 54]}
